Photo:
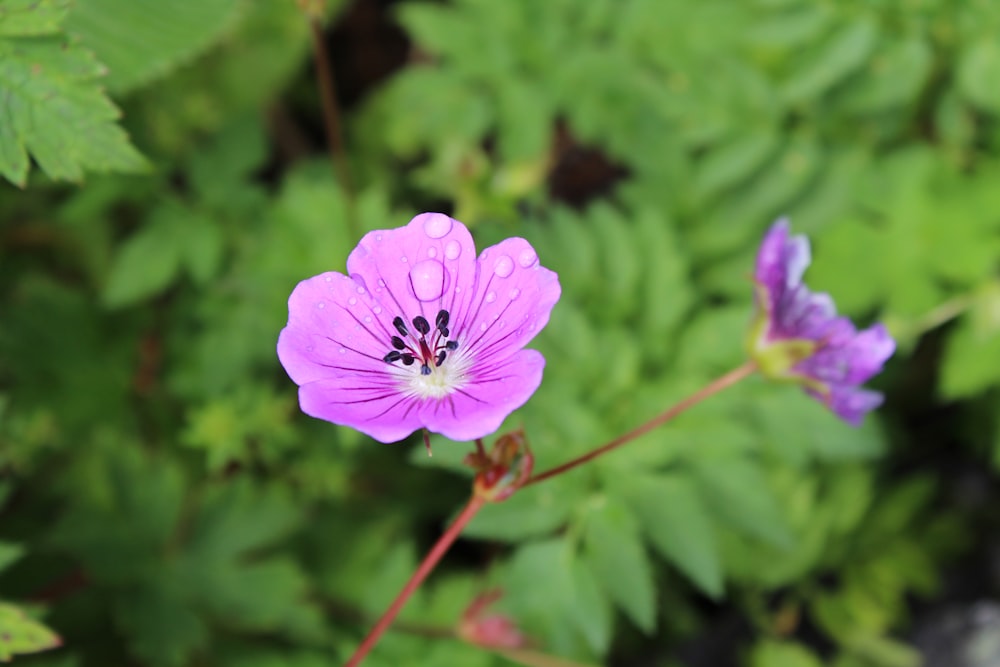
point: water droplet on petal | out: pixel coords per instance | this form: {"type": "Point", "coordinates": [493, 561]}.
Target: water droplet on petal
{"type": "Point", "coordinates": [368, 319]}
{"type": "Point", "coordinates": [403, 259]}
{"type": "Point", "coordinates": [328, 279]}
{"type": "Point", "coordinates": [343, 350]}
{"type": "Point", "coordinates": [504, 266]}
{"type": "Point", "coordinates": [452, 249]}
{"type": "Point", "coordinates": [381, 283]}
{"type": "Point", "coordinates": [429, 279]}
{"type": "Point", "coordinates": [436, 225]}
{"type": "Point", "coordinates": [491, 297]}
{"type": "Point", "coordinates": [377, 310]}
{"type": "Point", "coordinates": [321, 305]}
{"type": "Point", "coordinates": [527, 258]}
{"type": "Point", "coordinates": [502, 324]}
{"type": "Point", "coordinates": [361, 290]}
{"type": "Point", "coordinates": [378, 237]}
{"type": "Point", "coordinates": [514, 293]}
{"type": "Point", "coordinates": [482, 327]}
{"type": "Point", "coordinates": [352, 301]}
{"type": "Point", "coordinates": [432, 252]}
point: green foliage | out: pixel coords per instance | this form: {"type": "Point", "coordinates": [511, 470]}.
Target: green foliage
{"type": "Point", "coordinates": [165, 502]}
{"type": "Point", "coordinates": [54, 109]}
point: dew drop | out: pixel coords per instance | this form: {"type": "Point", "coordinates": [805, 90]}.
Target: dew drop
{"type": "Point", "coordinates": [403, 259]}
{"type": "Point", "coordinates": [452, 249]}
{"type": "Point", "coordinates": [504, 266]}
{"type": "Point", "coordinates": [321, 305]}
{"type": "Point", "coordinates": [377, 310]}
{"type": "Point", "coordinates": [361, 290]}
{"type": "Point", "coordinates": [381, 283]}
{"type": "Point", "coordinates": [432, 252]}
{"type": "Point", "coordinates": [328, 279]}
{"type": "Point", "coordinates": [378, 237]}
{"type": "Point", "coordinates": [457, 290]}
{"type": "Point", "coordinates": [514, 293]}
{"type": "Point", "coordinates": [527, 258]}
{"type": "Point", "coordinates": [429, 279]}
{"type": "Point", "coordinates": [352, 301]}
{"type": "Point", "coordinates": [482, 327]}
{"type": "Point", "coordinates": [502, 324]}
{"type": "Point", "coordinates": [368, 319]}
{"type": "Point", "coordinates": [343, 350]}
{"type": "Point", "coordinates": [436, 225]}
{"type": "Point", "coordinates": [491, 297]}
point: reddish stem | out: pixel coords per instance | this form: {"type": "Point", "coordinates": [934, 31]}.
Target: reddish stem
{"type": "Point", "coordinates": [433, 556]}
{"type": "Point", "coordinates": [714, 387]}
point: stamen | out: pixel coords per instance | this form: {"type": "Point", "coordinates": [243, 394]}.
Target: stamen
{"type": "Point", "coordinates": [400, 326]}
{"type": "Point", "coordinates": [442, 318]}
{"type": "Point", "coordinates": [440, 358]}
{"type": "Point", "coordinates": [420, 324]}
{"type": "Point", "coordinates": [398, 343]}
{"type": "Point", "coordinates": [425, 370]}
{"type": "Point", "coordinates": [451, 345]}
{"type": "Point", "coordinates": [392, 356]}
{"type": "Point", "coordinates": [407, 359]}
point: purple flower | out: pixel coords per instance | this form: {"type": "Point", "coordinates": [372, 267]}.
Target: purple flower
{"type": "Point", "coordinates": [797, 335]}
{"type": "Point", "coordinates": [421, 333]}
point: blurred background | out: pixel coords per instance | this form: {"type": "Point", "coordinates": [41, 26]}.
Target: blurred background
{"type": "Point", "coordinates": [164, 503]}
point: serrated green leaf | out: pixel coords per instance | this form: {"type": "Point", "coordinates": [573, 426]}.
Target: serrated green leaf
{"type": "Point", "coordinates": [158, 624]}
{"type": "Point", "coordinates": [54, 110]}
{"type": "Point", "coordinates": [20, 634]}
{"type": "Point", "coordinates": [616, 556]}
{"type": "Point", "coordinates": [895, 76]}
{"type": "Point", "coordinates": [677, 523]}
{"type": "Point", "coordinates": [141, 40]}
{"type": "Point", "coordinates": [733, 162]}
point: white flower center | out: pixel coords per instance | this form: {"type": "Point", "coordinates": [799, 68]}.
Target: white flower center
{"type": "Point", "coordinates": [441, 381]}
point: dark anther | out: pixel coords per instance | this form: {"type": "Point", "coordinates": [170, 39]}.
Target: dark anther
{"type": "Point", "coordinates": [420, 324]}
{"type": "Point", "coordinates": [451, 345]}
{"type": "Point", "coordinates": [442, 319]}
{"type": "Point", "coordinates": [392, 356]}
{"type": "Point", "coordinates": [440, 358]}
{"type": "Point", "coordinates": [398, 343]}
{"type": "Point", "coordinates": [400, 326]}
{"type": "Point", "coordinates": [425, 370]}
{"type": "Point", "coordinates": [407, 359]}
{"type": "Point", "coordinates": [444, 331]}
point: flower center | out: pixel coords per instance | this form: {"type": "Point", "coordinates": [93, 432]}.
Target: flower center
{"type": "Point", "coordinates": [428, 352]}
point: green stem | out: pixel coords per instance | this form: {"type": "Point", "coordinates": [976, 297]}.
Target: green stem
{"type": "Point", "coordinates": [433, 556]}
{"type": "Point", "coordinates": [714, 387]}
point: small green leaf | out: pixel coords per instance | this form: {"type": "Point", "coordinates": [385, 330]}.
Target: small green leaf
{"type": "Point", "coordinates": [972, 356]}
{"type": "Point", "coordinates": [32, 17]}
{"type": "Point", "coordinates": [770, 653]}
{"type": "Point", "coordinates": [676, 522]}
{"type": "Point", "coordinates": [734, 161]}
{"type": "Point", "coordinates": [20, 634]}
{"type": "Point", "coordinates": [737, 491]}
{"type": "Point", "coordinates": [147, 262]}
{"type": "Point", "coordinates": [9, 554]}
{"type": "Point", "coordinates": [978, 73]}
{"type": "Point", "coordinates": [840, 56]}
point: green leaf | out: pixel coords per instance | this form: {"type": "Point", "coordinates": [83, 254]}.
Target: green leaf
{"type": "Point", "coordinates": [734, 161]}
{"type": "Point", "coordinates": [159, 625]}
{"type": "Point", "coordinates": [841, 55]}
{"type": "Point", "coordinates": [9, 554]}
{"type": "Point", "coordinates": [614, 553]}
{"type": "Point", "coordinates": [736, 491]}
{"type": "Point", "coordinates": [148, 261]}
{"type": "Point", "coordinates": [20, 634]}
{"type": "Point", "coordinates": [55, 110]}
{"type": "Point", "coordinates": [19, 18]}
{"type": "Point", "coordinates": [972, 356]}
{"type": "Point", "coordinates": [141, 40]}
{"type": "Point", "coordinates": [770, 653]}
{"type": "Point", "coordinates": [978, 73]}
{"type": "Point", "coordinates": [677, 523]}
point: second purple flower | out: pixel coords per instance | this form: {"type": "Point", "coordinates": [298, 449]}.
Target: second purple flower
{"type": "Point", "coordinates": [421, 333]}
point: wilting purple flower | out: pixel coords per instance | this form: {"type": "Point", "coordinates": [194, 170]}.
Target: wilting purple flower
{"type": "Point", "coordinates": [797, 335]}
{"type": "Point", "coordinates": [422, 333]}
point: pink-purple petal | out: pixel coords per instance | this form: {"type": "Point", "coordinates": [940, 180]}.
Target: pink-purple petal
{"type": "Point", "coordinates": [478, 409]}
